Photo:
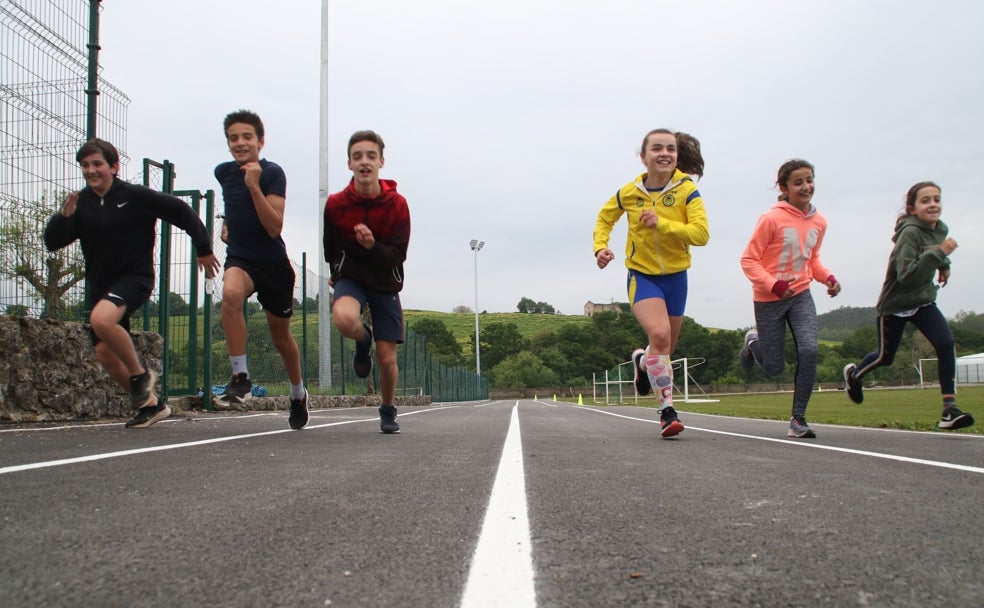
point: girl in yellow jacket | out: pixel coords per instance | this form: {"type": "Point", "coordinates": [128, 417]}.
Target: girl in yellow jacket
{"type": "Point", "coordinates": [666, 216]}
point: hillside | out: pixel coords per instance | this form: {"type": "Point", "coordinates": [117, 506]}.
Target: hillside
{"type": "Point", "coordinates": [462, 325]}
{"type": "Point", "coordinates": [834, 325]}
{"type": "Point", "coordinates": [847, 317]}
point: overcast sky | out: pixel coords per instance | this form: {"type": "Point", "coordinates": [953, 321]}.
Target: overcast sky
{"type": "Point", "coordinates": [513, 121]}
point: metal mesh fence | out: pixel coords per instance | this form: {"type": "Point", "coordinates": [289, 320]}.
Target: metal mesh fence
{"type": "Point", "coordinates": [43, 115]}
{"type": "Point", "coordinates": [43, 106]}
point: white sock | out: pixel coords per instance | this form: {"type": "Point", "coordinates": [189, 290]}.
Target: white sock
{"type": "Point", "coordinates": [297, 391]}
{"type": "Point", "coordinates": [238, 365]}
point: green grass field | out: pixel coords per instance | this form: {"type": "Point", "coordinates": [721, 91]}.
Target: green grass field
{"type": "Point", "coordinates": [904, 408]}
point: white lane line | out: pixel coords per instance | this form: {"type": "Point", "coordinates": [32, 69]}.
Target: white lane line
{"type": "Point", "coordinates": [187, 444]}
{"type": "Point", "coordinates": [501, 571]}
{"type": "Point", "coordinates": [147, 450]}
{"type": "Point", "coordinates": [815, 446]}
{"type": "Point", "coordinates": [860, 429]}
{"type": "Point", "coordinates": [101, 425]}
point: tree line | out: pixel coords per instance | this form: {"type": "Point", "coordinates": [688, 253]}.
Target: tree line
{"type": "Point", "coordinates": [570, 355]}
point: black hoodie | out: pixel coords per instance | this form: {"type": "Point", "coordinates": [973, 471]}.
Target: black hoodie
{"type": "Point", "coordinates": [118, 231]}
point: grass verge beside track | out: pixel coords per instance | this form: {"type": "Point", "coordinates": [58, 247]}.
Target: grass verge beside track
{"type": "Point", "coordinates": [894, 408]}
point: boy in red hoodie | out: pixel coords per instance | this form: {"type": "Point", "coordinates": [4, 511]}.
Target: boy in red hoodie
{"type": "Point", "coordinates": [366, 234]}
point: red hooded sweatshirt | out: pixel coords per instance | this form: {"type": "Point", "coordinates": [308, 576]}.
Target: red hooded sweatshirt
{"type": "Point", "coordinates": [379, 268]}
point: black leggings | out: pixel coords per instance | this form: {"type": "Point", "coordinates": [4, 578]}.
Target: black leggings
{"type": "Point", "coordinates": [932, 324]}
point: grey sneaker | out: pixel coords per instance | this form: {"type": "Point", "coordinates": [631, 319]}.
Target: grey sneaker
{"type": "Point", "coordinates": [363, 355]}
{"type": "Point", "coordinates": [852, 385]}
{"type": "Point", "coordinates": [298, 413]}
{"type": "Point", "coordinates": [142, 390]}
{"type": "Point", "coordinates": [387, 419]}
{"type": "Point", "coordinates": [745, 355]}
{"type": "Point", "coordinates": [953, 419]}
{"type": "Point", "coordinates": [147, 416]}
{"type": "Point", "coordinates": [642, 384]}
{"type": "Point", "coordinates": [799, 429]}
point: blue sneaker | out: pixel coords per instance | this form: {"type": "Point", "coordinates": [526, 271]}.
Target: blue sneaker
{"type": "Point", "coordinates": [799, 429]}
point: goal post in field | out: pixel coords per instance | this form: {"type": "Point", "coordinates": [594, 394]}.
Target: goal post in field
{"type": "Point", "coordinates": [624, 374]}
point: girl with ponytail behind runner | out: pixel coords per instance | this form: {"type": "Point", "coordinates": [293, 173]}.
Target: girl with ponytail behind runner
{"type": "Point", "coordinates": [665, 215]}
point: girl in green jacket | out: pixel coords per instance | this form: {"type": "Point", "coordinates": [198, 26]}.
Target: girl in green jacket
{"type": "Point", "coordinates": [908, 294]}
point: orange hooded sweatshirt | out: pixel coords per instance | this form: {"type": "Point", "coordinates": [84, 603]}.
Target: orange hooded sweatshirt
{"type": "Point", "coordinates": [784, 252]}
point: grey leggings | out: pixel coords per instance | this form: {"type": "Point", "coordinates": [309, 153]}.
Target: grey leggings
{"type": "Point", "coordinates": [771, 319]}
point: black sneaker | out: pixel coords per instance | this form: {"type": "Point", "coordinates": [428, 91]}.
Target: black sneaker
{"type": "Point", "coordinates": [745, 355]}
{"type": "Point", "coordinates": [363, 355]}
{"type": "Point", "coordinates": [852, 385]}
{"type": "Point", "coordinates": [142, 390]}
{"type": "Point", "coordinates": [147, 416]}
{"type": "Point", "coordinates": [953, 419]}
{"type": "Point", "coordinates": [642, 384]}
{"type": "Point", "coordinates": [239, 387]}
{"type": "Point", "coordinates": [387, 419]}
{"type": "Point", "coordinates": [298, 412]}
{"type": "Point", "coordinates": [669, 424]}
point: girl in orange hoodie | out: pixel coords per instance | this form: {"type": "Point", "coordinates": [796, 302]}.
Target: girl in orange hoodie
{"type": "Point", "coordinates": [781, 260]}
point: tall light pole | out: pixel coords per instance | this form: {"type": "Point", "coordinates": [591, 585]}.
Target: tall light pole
{"type": "Point", "coordinates": [476, 246]}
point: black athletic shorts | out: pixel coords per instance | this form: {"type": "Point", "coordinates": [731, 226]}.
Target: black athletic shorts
{"type": "Point", "coordinates": [273, 282]}
{"type": "Point", "coordinates": [128, 291]}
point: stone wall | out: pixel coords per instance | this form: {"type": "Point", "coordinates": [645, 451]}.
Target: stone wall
{"type": "Point", "coordinates": [49, 371]}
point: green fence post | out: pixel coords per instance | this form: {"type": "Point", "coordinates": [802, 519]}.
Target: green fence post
{"type": "Point", "coordinates": [403, 376]}
{"type": "Point", "coordinates": [304, 332]}
{"type": "Point", "coordinates": [196, 197]}
{"type": "Point", "coordinates": [207, 312]}
{"type": "Point", "coordinates": [164, 300]}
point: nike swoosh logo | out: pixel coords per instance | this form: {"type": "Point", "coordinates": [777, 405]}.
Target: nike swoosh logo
{"type": "Point", "coordinates": [123, 204]}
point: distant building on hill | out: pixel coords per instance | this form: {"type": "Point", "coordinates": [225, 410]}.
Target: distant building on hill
{"type": "Point", "coordinates": [590, 308]}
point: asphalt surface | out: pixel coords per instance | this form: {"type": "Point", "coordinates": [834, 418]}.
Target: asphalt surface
{"type": "Point", "coordinates": [237, 510]}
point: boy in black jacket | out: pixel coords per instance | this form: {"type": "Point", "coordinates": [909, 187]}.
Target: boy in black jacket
{"type": "Point", "coordinates": [116, 223]}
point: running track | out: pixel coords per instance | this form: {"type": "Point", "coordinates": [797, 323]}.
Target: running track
{"type": "Point", "coordinates": [509, 504]}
